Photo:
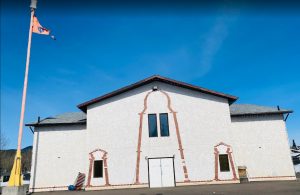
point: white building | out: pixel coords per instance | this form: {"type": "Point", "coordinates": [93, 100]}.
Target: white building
{"type": "Point", "coordinates": [160, 132]}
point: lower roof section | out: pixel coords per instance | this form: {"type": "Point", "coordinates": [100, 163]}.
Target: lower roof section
{"type": "Point", "coordinates": [61, 119]}
{"type": "Point", "coordinates": [71, 118]}
{"type": "Point", "coordinates": [251, 109]}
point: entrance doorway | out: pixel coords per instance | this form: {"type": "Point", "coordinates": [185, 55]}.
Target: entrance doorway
{"type": "Point", "coordinates": [161, 172]}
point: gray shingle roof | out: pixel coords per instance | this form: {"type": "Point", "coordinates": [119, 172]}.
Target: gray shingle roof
{"type": "Point", "coordinates": [65, 118]}
{"type": "Point", "coordinates": [235, 110]}
{"type": "Point", "coordinates": [251, 109]}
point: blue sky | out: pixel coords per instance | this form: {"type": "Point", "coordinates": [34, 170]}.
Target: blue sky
{"type": "Point", "coordinates": [251, 53]}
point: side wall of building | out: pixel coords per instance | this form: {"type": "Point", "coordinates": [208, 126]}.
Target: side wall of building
{"type": "Point", "coordinates": [59, 153]}
{"type": "Point", "coordinates": [261, 144]}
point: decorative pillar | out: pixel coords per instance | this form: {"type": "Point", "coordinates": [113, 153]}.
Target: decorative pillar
{"type": "Point", "coordinates": [90, 170]}
{"type": "Point", "coordinates": [216, 164]}
{"type": "Point", "coordinates": [231, 164]}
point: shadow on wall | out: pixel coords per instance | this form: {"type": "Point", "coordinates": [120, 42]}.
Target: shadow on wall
{"type": "Point", "coordinates": [70, 127]}
{"type": "Point", "coordinates": [252, 118]}
{"type": "Point", "coordinates": [33, 169]}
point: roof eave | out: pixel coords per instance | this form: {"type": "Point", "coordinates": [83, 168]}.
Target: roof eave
{"type": "Point", "coordinates": [52, 124]}
{"type": "Point", "coordinates": [263, 113]}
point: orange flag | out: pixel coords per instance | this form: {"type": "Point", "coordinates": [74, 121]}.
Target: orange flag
{"type": "Point", "coordinates": [37, 28]}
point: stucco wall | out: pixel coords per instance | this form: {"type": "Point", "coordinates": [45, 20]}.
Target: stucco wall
{"type": "Point", "coordinates": [59, 153]}
{"type": "Point", "coordinates": [204, 129]}
{"type": "Point", "coordinates": [261, 144]}
{"type": "Point", "coordinates": [113, 126]}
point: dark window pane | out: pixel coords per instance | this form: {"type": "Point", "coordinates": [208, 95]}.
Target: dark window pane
{"type": "Point", "coordinates": [164, 124]}
{"type": "Point", "coordinates": [26, 176]}
{"type": "Point", "coordinates": [98, 168]}
{"type": "Point", "coordinates": [152, 122]}
{"type": "Point", "coordinates": [6, 178]}
{"type": "Point", "coordinates": [224, 164]}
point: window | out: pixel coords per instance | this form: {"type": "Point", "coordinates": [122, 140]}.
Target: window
{"type": "Point", "coordinates": [164, 124]}
{"type": "Point", "coordinates": [224, 164]}
{"type": "Point", "coordinates": [152, 122]}
{"type": "Point", "coordinates": [98, 168]}
{"type": "Point", "coordinates": [6, 178]}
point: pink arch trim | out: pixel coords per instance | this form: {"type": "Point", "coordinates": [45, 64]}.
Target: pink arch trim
{"type": "Point", "coordinates": [229, 152]}
{"type": "Point", "coordinates": [92, 159]}
{"type": "Point", "coordinates": [141, 114]}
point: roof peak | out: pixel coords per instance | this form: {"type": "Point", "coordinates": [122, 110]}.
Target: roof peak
{"type": "Point", "coordinates": [150, 79]}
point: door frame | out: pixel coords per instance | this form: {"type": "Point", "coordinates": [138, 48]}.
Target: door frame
{"type": "Point", "coordinates": [173, 157]}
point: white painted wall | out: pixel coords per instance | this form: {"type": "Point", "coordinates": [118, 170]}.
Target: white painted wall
{"type": "Point", "coordinates": [59, 153]}
{"type": "Point", "coordinates": [204, 121]}
{"type": "Point", "coordinates": [261, 144]}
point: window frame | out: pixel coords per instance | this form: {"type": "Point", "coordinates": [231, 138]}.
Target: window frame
{"type": "Point", "coordinates": [221, 165]}
{"type": "Point", "coordinates": [101, 168]}
{"type": "Point", "coordinates": [160, 125]}
{"type": "Point", "coordinates": [154, 114]}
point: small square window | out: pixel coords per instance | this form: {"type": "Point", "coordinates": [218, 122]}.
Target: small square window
{"type": "Point", "coordinates": [98, 168]}
{"type": "Point", "coordinates": [224, 164]}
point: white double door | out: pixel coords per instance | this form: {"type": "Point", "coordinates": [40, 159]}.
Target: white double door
{"type": "Point", "coordinates": [161, 172]}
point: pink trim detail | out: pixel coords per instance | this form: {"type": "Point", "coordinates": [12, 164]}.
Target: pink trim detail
{"type": "Point", "coordinates": [217, 161]}
{"type": "Point", "coordinates": [271, 177]}
{"type": "Point", "coordinates": [138, 157]}
{"type": "Point", "coordinates": [184, 167]}
{"type": "Point", "coordinates": [92, 158]}
{"type": "Point", "coordinates": [231, 164]}
{"type": "Point", "coordinates": [216, 164]}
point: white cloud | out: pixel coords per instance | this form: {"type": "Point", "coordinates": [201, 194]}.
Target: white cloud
{"type": "Point", "coordinates": [197, 59]}
{"type": "Point", "coordinates": [213, 43]}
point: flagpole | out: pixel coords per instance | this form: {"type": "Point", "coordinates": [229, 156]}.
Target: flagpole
{"type": "Point", "coordinates": [16, 172]}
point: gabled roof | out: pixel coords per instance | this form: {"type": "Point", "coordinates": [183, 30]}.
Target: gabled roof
{"type": "Point", "coordinates": [62, 119]}
{"type": "Point", "coordinates": [70, 118]}
{"type": "Point", "coordinates": [250, 109]}
{"type": "Point", "coordinates": [84, 105]}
